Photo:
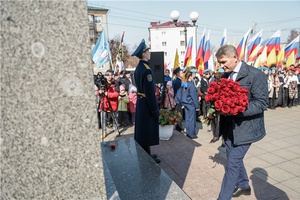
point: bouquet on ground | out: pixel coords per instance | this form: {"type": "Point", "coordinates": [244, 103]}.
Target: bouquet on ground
{"type": "Point", "coordinates": [226, 97]}
{"type": "Point", "coordinates": [169, 117]}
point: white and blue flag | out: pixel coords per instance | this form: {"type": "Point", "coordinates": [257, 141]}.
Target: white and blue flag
{"type": "Point", "coordinates": [101, 51]}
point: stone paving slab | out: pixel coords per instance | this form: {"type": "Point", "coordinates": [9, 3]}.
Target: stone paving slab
{"type": "Point", "coordinates": [272, 163]}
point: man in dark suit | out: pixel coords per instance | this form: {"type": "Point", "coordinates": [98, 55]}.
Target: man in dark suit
{"type": "Point", "coordinates": [241, 130]}
{"type": "Point", "coordinates": [176, 85]}
{"type": "Point", "coordinates": [146, 130]}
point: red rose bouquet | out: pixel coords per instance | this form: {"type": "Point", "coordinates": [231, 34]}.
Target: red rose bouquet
{"type": "Point", "coordinates": [226, 97]}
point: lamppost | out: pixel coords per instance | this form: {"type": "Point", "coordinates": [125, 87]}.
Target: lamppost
{"type": "Point", "coordinates": [193, 16]}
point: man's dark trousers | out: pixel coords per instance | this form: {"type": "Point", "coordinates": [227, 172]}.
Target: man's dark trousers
{"type": "Point", "coordinates": [235, 172]}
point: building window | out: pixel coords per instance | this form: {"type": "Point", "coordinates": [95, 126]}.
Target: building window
{"type": "Point", "coordinates": [98, 20]}
{"type": "Point", "coordinates": [181, 32]}
{"type": "Point", "coordinates": [163, 33]}
{"type": "Point", "coordinates": [182, 53]}
{"type": "Point", "coordinates": [164, 44]}
{"type": "Point", "coordinates": [182, 43]}
{"type": "Point", "coordinates": [91, 18]}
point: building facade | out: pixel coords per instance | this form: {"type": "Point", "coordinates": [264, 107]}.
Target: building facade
{"type": "Point", "coordinates": [97, 22]}
{"type": "Point", "coordinates": [168, 37]}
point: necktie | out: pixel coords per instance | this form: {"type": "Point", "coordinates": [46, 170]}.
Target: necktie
{"type": "Point", "coordinates": [231, 75]}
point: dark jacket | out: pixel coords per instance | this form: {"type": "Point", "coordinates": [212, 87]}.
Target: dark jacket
{"type": "Point", "coordinates": [188, 97]}
{"type": "Point", "coordinates": [176, 85]}
{"type": "Point", "coordinates": [248, 126]}
{"type": "Point", "coordinates": [147, 112]}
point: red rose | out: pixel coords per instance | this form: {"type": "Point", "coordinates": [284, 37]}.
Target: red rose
{"type": "Point", "coordinates": [208, 97]}
{"type": "Point", "coordinates": [225, 109]}
{"type": "Point", "coordinates": [234, 110]}
{"type": "Point", "coordinates": [211, 90]}
{"type": "Point", "coordinates": [218, 105]}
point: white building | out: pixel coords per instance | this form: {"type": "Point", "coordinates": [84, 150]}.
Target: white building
{"type": "Point", "coordinates": [168, 37]}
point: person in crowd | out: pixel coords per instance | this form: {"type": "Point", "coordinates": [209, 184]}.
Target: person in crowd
{"type": "Point", "coordinates": [146, 129]}
{"type": "Point", "coordinates": [274, 90]}
{"type": "Point", "coordinates": [169, 101]}
{"type": "Point", "coordinates": [108, 102]}
{"type": "Point", "coordinates": [245, 128]}
{"type": "Point", "coordinates": [216, 119]}
{"type": "Point", "coordinates": [132, 102]}
{"type": "Point", "coordinates": [297, 73]}
{"type": "Point", "coordinates": [123, 107]}
{"type": "Point", "coordinates": [128, 76]}
{"type": "Point", "coordinates": [280, 92]}
{"type": "Point", "coordinates": [187, 95]}
{"type": "Point", "coordinates": [292, 86]}
{"type": "Point", "coordinates": [167, 76]}
{"type": "Point", "coordinates": [123, 80]}
{"type": "Point", "coordinates": [204, 85]}
{"type": "Point", "coordinates": [176, 85]}
{"type": "Point", "coordinates": [285, 92]}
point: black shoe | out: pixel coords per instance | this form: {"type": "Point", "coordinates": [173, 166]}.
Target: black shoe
{"type": "Point", "coordinates": [239, 191]}
{"type": "Point", "coordinates": [222, 145]}
{"type": "Point", "coordinates": [153, 155]}
{"type": "Point", "coordinates": [195, 137]}
{"type": "Point", "coordinates": [214, 139]}
{"type": "Point", "coordinates": [156, 160]}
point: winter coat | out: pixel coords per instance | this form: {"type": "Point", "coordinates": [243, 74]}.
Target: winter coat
{"type": "Point", "coordinates": [123, 102]}
{"type": "Point", "coordinates": [109, 102]}
{"type": "Point", "coordinates": [132, 101]}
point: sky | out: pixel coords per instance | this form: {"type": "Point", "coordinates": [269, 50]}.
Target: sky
{"type": "Point", "coordinates": [236, 17]}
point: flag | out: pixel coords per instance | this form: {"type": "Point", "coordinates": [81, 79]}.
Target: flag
{"type": "Point", "coordinates": [101, 51]}
{"type": "Point", "coordinates": [188, 53]}
{"type": "Point", "coordinates": [280, 58]}
{"type": "Point", "coordinates": [263, 57]}
{"type": "Point", "coordinates": [290, 60]}
{"type": "Point", "coordinates": [224, 38]}
{"type": "Point", "coordinates": [293, 46]}
{"type": "Point", "coordinates": [274, 42]}
{"type": "Point", "coordinates": [206, 51]}
{"type": "Point", "coordinates": [272, 58]}
{"type": "Point", "coordinates": [200, 54]}
{"type": "Point", "coordinates": [210, 62]}
{"type": "Point", "coordinates": [241, 48]}
{"type": "Point", "coordinates": [120, 55]}
{"type": "Point", "coordinates": [253, 43]}
{"type": "Point", "coordinates": [176, 60]}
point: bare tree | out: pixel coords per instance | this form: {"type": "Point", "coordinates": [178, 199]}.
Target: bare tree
{"type": "Point", "coordinates": [292, 35]}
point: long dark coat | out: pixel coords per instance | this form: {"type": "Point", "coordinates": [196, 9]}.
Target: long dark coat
{"type": "Point", "coordinates": [248, 126]}
{"type": "Point", "coordinates": [146, 131]}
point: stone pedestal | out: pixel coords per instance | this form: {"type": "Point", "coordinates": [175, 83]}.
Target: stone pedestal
{"type": "Point", "coordinates": [50, 145]}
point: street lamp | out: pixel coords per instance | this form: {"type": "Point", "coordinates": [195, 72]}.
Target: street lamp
{"type": "Point", "coordinates": [193, 16]}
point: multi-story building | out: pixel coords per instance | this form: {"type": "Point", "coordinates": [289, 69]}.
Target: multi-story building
{"type": "Point", "coordinates": [97, 22]}
{"type": "Point", "coordinates": [168, 37]}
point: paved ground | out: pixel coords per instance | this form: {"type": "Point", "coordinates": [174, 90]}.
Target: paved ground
{"type": "Point", "coordinates": [273, 164]}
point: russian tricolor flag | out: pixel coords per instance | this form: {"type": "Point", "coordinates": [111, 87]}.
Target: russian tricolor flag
{"type": "Point", "coordinates": [253, 43]}
{"type": "Point", "coordinates": [188, 53]}
{"type": "Point", "coordinates": [206, 51]}
{"type": "Point", "coordinates": [274, 42]}
{"type": "Point", "coordinates": [292, 47]}
{"type": "Point", "coordinates": [241, 48]}
{"type": "Point", "coordinates": [224, 38]}
{"type": "Point", "coordinates": [200, 54]}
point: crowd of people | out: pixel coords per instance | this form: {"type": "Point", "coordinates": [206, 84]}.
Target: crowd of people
{"type": "Point", "coordinates": [122, 102]}
{"type": "Point", "coordinates": [118, 96]}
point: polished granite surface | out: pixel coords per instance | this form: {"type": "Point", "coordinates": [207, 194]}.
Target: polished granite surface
{"type": "Point", "coordinates": [135, 174]}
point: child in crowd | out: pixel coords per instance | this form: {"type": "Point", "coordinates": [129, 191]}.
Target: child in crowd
{"type": "Point", "coordinates": [132, 102]}
{"type": "Point", "coordinates": [169, 101]}
{"type": "Point", "coordinates": [122, 107]}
